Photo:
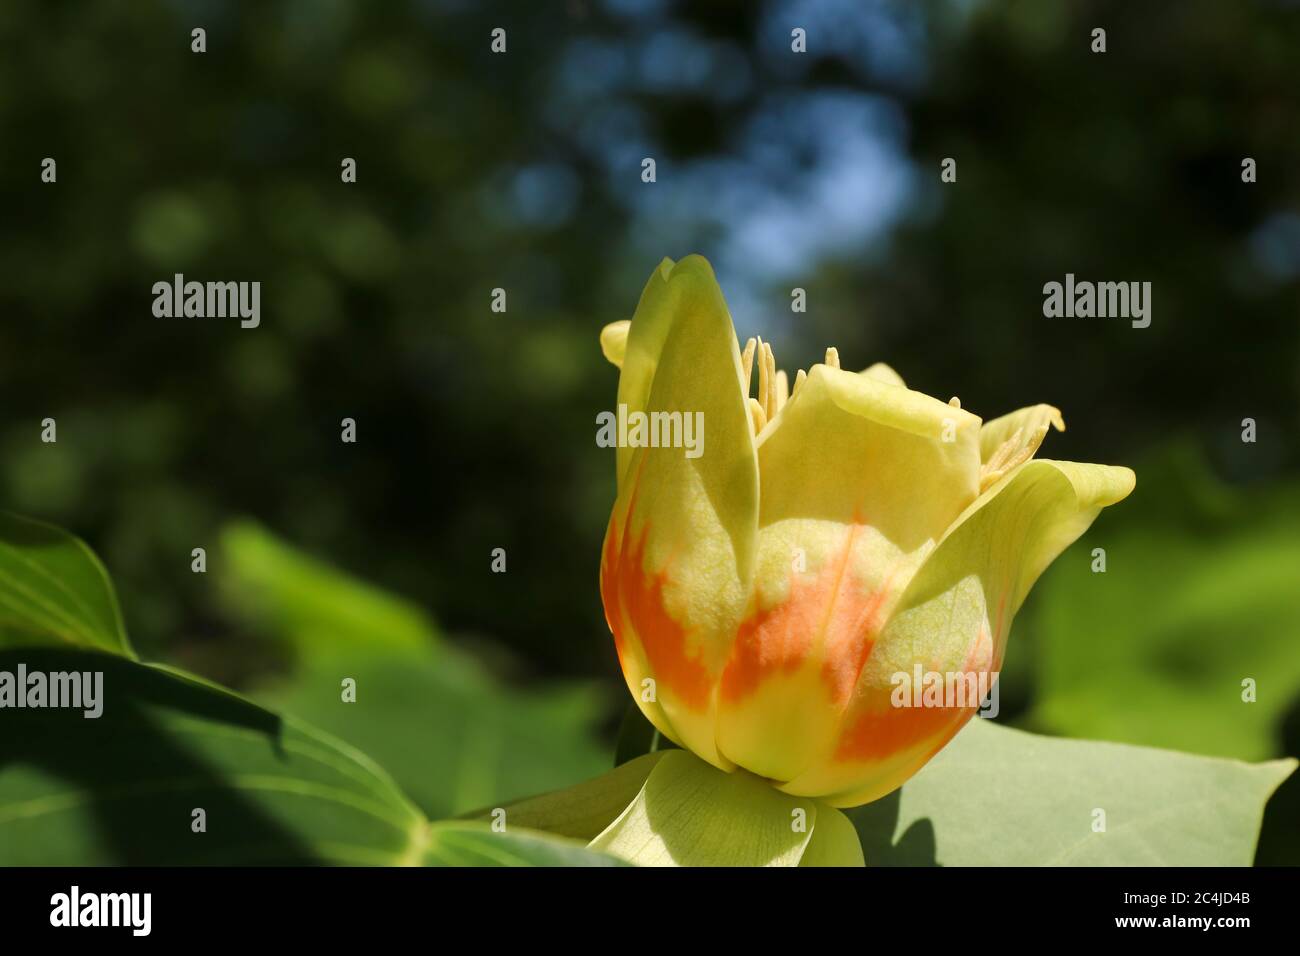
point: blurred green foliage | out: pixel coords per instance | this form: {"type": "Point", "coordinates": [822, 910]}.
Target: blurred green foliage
{"type": "Point", "coordinates": [453, 736]}
{"type": "Point", "coordinates": [1199, 594]}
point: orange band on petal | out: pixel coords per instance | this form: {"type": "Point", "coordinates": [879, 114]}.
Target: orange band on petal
{"type": "Point", "coordinates": [634, 608]}
{"type": "Point", "coordinates": [881, 734]}
{"type": "Point", "coordinates": [834, 604]}
{"type": "Point", "coordinates": [775, 639]}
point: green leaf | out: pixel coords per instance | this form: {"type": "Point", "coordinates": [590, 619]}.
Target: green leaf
{"type": "Point", "coordinates": [122, 788]}
{"type": "Point", "coordinates": [452, 735]}
{"type": "Point", "coordinates": [1002, 797]}
{"type": "Point", "coordinates": [468, 844]}
{"type": "Point", "coordinates": [584, 810]}
{"type": "Point", "coordinates": [54, 591]}
{"type": "Point", "coordinates": [1199, 594]}
{"type": "Point", "coordinates": [689, 813]}
{"type": "Point", "coordinates": [309, 604]}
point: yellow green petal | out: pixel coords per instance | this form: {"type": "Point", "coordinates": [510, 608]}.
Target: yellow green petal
{"type": "Point", "coordinates": [835, 841]}
{"type": "Point", "coordinates": [647, 335]}
{"type": "Point", "coordinates": [859, 479]}
{"type": "Point", "coordinates": [613, 341]}
{"type": "Point", "coordinates": [679, 553]}
{"type": "Point", "coordinates": [851, 446]}
{"type": "Point", "coordinates": [955, 617]}
{"type": "Point", "coordinates": [583, 810]}
{"type": "Point", "coordinates": [691, 814]}
{"type": "Point", "coordinates": [883, 373]}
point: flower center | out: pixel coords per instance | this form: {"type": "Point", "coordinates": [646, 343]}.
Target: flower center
{"type": "Point", "coordinates": [773, 384]}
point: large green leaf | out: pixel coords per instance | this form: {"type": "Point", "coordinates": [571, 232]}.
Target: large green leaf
{"type": "Point", "coordinates": [470, 844]}
{"type": "Point", "coordinates": [452, 735]}
{"type": "Point", "coordinates": [996, 796]}
{"type": "Point", "coordinates": [122, 788]}
{"type": "Point", "coordinates": [54, 591]}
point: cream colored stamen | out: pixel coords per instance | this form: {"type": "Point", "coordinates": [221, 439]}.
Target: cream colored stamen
{"type": "Point", "coordinates": [769, 394]}
{"type": "Point", "coordinates": [747, 361]}
{"type": "Point", "coordinates": [833, 357]}
{"type": "Point", "coordinates": [1003, 451]}
{"type": "Point", "coordinates": [773, 384]}
{"type": "Point", "coordinates": [955, 402]}
{"type": "Point", "coordinates": [1011, 454]}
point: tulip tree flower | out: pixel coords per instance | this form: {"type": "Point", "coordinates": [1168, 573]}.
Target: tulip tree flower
{"type": "Point", "coordinates": [836, 531]}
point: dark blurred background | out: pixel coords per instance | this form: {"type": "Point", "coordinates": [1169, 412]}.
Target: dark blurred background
{"type": "Point", "coordinates": [475, 430]}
